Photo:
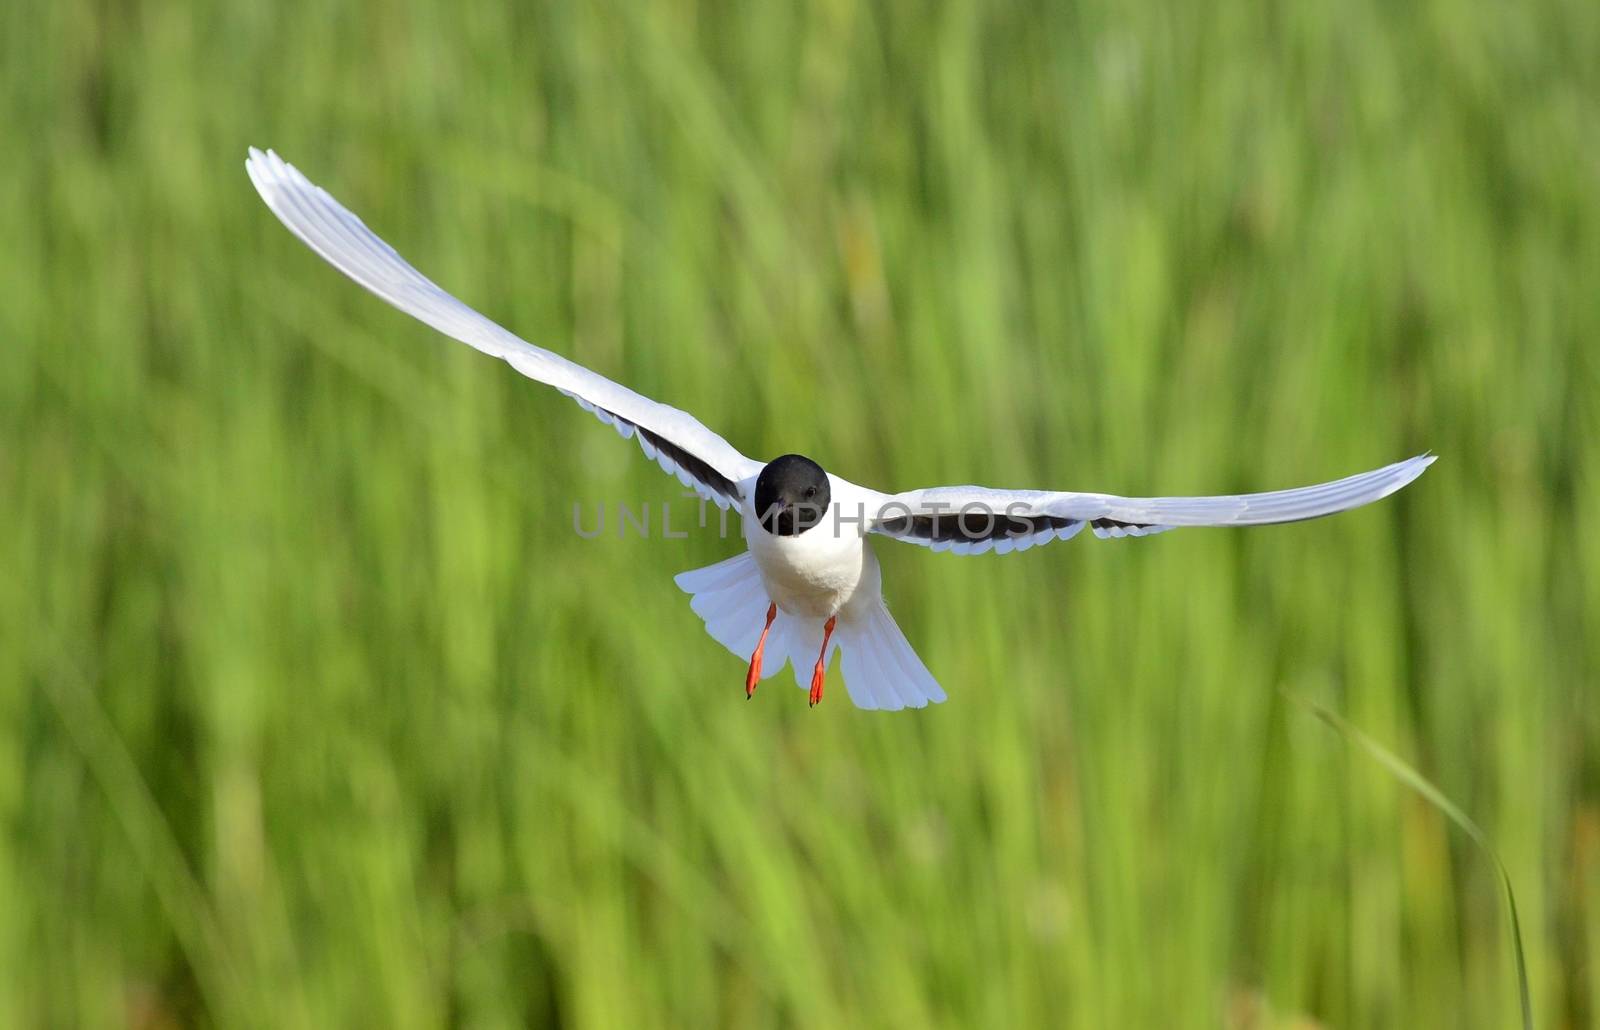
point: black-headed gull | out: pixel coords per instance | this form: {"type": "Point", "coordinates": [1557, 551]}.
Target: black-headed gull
{"type": "Point", "coordinates": [808, 584]}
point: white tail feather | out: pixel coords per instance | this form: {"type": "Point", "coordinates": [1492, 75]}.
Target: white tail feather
{"type": "Point", "coordinates": [730, 598]}
{"type": "Point", "coordinates": [880, 669]}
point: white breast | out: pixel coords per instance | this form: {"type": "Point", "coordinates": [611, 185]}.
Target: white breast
{"type": "Point", "coordinates": [818, 574]}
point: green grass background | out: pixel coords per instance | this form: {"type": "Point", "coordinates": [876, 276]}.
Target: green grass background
{"type": "Point", "coordinates": [314, 710]}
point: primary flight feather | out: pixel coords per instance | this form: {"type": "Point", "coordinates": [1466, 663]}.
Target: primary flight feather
{"type": "Point", "coordinates": [807, 584]}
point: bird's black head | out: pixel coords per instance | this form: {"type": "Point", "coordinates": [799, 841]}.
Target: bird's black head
{"type": "Point", "coordinates": [791, 495]}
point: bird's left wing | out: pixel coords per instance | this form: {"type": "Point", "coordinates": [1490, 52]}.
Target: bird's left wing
{"type": "Point", "coordinates": [975, 519]}
{"type": "Point", "coordinates": [673, 439]}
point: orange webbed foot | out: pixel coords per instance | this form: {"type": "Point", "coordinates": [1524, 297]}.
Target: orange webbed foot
{"type": "Point", "coordinates": [821, 670]}
{"type": "Point", "coordinates": [753, 677]}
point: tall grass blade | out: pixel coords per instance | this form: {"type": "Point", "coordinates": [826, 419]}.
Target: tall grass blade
{"type": "Point", "coordinates": [1400, 770]}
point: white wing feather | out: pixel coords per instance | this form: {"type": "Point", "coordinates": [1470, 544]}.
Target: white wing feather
{"type": "Point", "coordinates": [342, 240]}
{"type": "Point", "coordinates": [1054, 515]}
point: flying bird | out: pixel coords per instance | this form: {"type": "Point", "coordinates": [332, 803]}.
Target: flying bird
{"type": "Point", "coordinates": [807, 585]}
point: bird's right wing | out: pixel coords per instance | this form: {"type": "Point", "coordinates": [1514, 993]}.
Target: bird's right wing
{"type": "Point", "coordinates": [673, 439]}
{"type": "Point", "coordinates": [975, 519]}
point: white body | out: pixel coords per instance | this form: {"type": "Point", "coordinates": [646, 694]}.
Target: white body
{"type": "Point", "coordinates": [829, 571]}
{"type": "Point", "coordinates": [826, 571]}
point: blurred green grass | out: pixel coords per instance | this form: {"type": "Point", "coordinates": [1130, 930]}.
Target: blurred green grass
{"type": "Point", "coordinates": [314, 710]}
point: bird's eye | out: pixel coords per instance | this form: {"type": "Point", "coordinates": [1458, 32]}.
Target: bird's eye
{"type": "Point", "coordinates": [811, 492]}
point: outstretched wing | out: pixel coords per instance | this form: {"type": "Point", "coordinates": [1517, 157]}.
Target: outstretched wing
{"type": "Point", "coordinates": [673, 439]}
{"type": "Point", "coordinates": [975, 519]}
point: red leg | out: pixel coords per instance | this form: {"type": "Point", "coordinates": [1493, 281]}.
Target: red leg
{"type": "Point", "coordinates": [822, 662]}
{"type": "Point", "coordinates": [753, 677]}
